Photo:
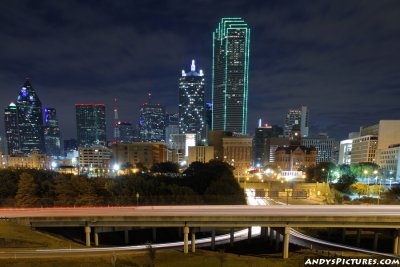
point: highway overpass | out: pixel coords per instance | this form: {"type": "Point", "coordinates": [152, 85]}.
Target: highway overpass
{"type": "Point", "coordinates": [188, 217]}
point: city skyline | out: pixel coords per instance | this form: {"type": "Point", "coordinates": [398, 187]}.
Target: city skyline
{"type": "Point", "coordinates": [339, 59]}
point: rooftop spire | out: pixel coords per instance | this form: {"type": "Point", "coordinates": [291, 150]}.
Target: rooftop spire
{"type": "Point", "coordinates": [193, 66]}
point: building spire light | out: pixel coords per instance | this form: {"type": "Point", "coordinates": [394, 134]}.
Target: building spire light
{"type": "Point", "coordinates": [193, 67]}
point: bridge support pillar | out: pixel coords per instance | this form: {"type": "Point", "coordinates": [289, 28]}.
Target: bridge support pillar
{"type": "Point", "coordinates": [396, 242]}
{"type": "Point", "coordinates": [286, 239]}
{"type": "Point", "coordinates": [249, 235]}
{"type": "Point", "coordinates": [232, 237]}
{"type": "Point", "coordinates": [126, 236]}
{"type": "Point", "coordinates": [358, 237]}
{"type": "Point", "coordinates": [154, 234]}
{"type": "Point", "coordinates": [87, 235]}
{"type": "Point", "coordinates": [186, 240]}
{"type": "Point", "coordinates": [213, 239]}
{"type": "Point", "coordinates": [193, 243]}
{"type": "Point", "coordinates": [96, 238]}
{"type": "Point", "coordinates": [376, 237]}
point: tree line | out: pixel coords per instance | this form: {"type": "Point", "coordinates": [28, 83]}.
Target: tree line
{"type": "Point", "coordinates": [200, 183]}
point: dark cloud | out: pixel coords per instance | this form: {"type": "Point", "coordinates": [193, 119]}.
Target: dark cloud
{"type": "Point", "coordinates": [340, 58]}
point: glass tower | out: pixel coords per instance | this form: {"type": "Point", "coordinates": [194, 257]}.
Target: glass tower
{"type": "Point", "coordinates": [230, 71]}
{"type": "Point", "coordinates": [30, 120]}
{"type": "Point", "coordinates": [192, 103]}
{"type": "Point", "coordinates": [151, 122]}
{"type": "Point", "coordinates": [297, 117]}
{"type": "Point", "coordinates": [91, 124]}
{"type": "Point", "coordinates": [51, 132]}
{"type": "Point", "coordinates": [11, 127]}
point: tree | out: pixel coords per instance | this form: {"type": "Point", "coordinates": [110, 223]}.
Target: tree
{"type": "Point", "coordinates": [344, 183]}
{"type": "Point", "coordinates": [27, 194]}
{"type": "Point", "coordinates": [165, 167]}
{"type": "Point", "coordinates": [359, 188]}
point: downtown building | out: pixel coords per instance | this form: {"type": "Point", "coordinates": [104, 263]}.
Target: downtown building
{"type": "Point", "coordinates": [24, 123]}
{"type": "Point", "coordinates": [151, 126]}
{"type": "Point", "coordinates": [297, 117]}
{"type": "Point", "coordinates": [52, 137]}
{"type": "Point", "coordinates": [126, 132]}
{"type": "Point", "coordinates": [262, 134]}
{"type": "Point", "coordinates": [230, 71]}
{"type": "Point", "coordinates": [192, 104]}
{"type": "Point", "coordinates": [91, 124]}
{"type": "Point", "coordinates": [327, 148]}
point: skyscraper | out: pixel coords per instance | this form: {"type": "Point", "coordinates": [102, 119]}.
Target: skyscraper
{"type": "Point", "coordinates": [30, 120]}
{"type": "Point", "coordinates": [125, 132]}
{"type": "Point", "coordinates": [151, 122]}
{"type": "Point", "coordinates": [192, 103]}
{"type": "Point", "coordinates": [230, 71]}
{"type": "Point", "coordinates": [91, 124]}
{"type": "Point", "coordinates": [51, 132]}
{"type": "Point", "coordinates": [171, 127]}
{"type": "Point", "coordinates": [262, 134]}
{"type": "Point", "coordinates": [297, 117]}
{"type": "Point", "coordinates": [11, 127]}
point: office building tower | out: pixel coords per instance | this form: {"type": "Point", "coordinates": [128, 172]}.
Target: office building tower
{"type": "Point", "coordinates": [91, 124]}
{"type": "Point", "coordinates": [209, 116]}
{"type": "Point", "coordinates": [262, 134]}
{"type": "Point", "coordinates": [171, 127]}
{"type": "Point", "coordinates": [151, 122]}
{"type": "Point", "coordinates": [30, 120]}
{"type": "Point", "coordinates": [192, 103]}
{"type": "Point", "coordinates": [230, 71]}
{"type": "Point", "coordinates": [125, 132]}
{"type": "Point", "coordinates": [297, 117]}
{"type": "Point", "coordinates": [11, 127]}
{"type": "Point", "coordinates": [52, 138]}
{"type": "Point", "coordinates": [327, 148]}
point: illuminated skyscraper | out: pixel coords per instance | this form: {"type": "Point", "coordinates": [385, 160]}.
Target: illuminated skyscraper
{"type": "Point", "coordinates": [91, 124]}
{"type": "Point", "coordinates": [297, 117]}
{"type": "Point", "coordinates": [192, 103]}
{"type": "Point", "coordinates": [125, 132]}
{"type": "Point", "coordinates": [230, 71]}
{"type": "Point", "coordinates": [151, 122]}
{"type": "Point", "coordinates": [51, 132]}
{"type": "Point", "coordinates": [30, 120]}
{"type": "Point", "coordinates": [11, 127]}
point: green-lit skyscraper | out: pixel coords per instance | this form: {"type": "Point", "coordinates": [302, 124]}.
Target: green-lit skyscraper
{"type": "Point", "coordinates": [231, 47]}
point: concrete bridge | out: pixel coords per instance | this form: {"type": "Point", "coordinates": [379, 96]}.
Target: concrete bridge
{"type": "Point", "coordinates": [191, 217]}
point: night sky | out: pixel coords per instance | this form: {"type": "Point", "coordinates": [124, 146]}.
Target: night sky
{"type": "Point", "coordinates": [339, 58]}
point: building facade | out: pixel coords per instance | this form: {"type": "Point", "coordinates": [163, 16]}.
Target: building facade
{"type": "Point", "coordinates": [12, 130]}
{"type": "Point", "coordinates": [364, 149]}
{"type": "Point", "coordinates": [52, 138]}
{"type": "Point", "coordinates": [192, 103]}
{"type": "Point", "coordinates": [95, 161]}
{"type": "Point", "coordinates": [151, 125]}
{"type": "Point", "coordinates": [327, 148]}
{"type": "Point", "coordinates": [230, 72]}
{"type": "Point", "coordinates": [201, 154]}
{"type": "Point", "coordinates": [146, 153]}
{"type": "Point", "coordinates": [91, 124]}
{"type": "Point", "coordinates": [237, 151]}
{"type": "Point", "coordinates": [171, 127]}
{"type": "Point", "coordinates": [34, 160]}
{"type": "Point", "coordinates": [345, 151]}
{"type": "Point", "coordinates": [389, 161]}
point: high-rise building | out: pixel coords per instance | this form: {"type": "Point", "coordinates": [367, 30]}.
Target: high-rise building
{"type": "Point", "coordinates": [52, 132]}
{"type": "Point", "coordinates": [91, 124]}
{"type": "Point", "coordinates": [30, 120]}
{"type": "Point", "coordinates": [171, 127]}
{"type": "Point", "coordinates": [297, 117]}
{"type": "Point", "coordinates": [327, 148]}
{"type": "Point", "coordinates": [151, 122]}
{"type": "Point", "coordinates": [125, 131]}
{"type": "Point", "coordinates": [262, 134]}
{"type": "Point", "coordinates": [230, 71]}
{"type": "Point", "coordinates": [192, 103]}
{"type": "Point", "coordinates": [237, 153]}
{"type": "Point", "coordinates": [11, 127]}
